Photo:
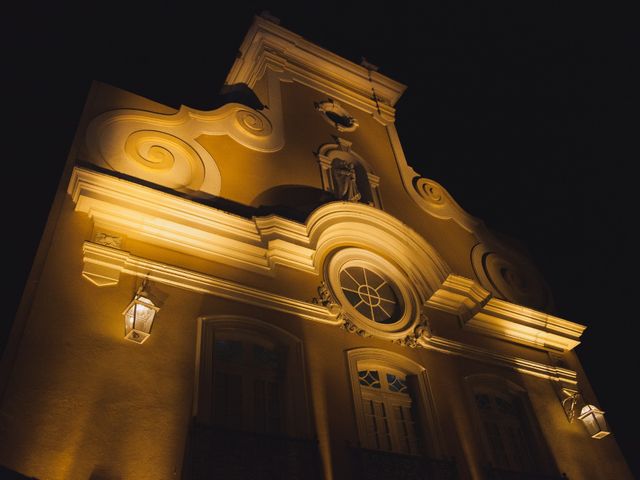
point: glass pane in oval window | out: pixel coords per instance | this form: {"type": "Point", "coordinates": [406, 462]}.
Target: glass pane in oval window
{"type": "Point", "coordinates": [370, 294]}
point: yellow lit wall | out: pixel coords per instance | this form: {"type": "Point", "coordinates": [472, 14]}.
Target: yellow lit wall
{"type": "Point", "coordinates": [81, 401]}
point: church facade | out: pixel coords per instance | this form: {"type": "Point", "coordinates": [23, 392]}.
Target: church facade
{"type": "Point", "coordinates": [269, 290]}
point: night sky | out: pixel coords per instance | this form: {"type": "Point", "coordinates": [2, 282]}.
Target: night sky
{"type": "Point", "coordinates": [520, 111]}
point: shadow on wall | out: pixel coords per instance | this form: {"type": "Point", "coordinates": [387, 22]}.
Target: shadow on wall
{"type": "Point", "coordinates": [103, 473]}
{"type": "Point", "coordinates": [240, 93]}
{"type": "Point", "coordinates": [291, 201]}
{"type": "Point", "coordinates": [6, 474]}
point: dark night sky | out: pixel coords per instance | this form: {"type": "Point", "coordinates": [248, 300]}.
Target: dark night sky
{"type": "Point", "coordinates": [520, 111]}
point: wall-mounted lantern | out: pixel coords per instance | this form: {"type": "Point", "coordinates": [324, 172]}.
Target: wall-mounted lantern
{"type": "Point", "coordinates": [593, 419]}
{"type": "Point", "coordinates": [591, 416]}
{"type": "Point", "coordinates": [139, 316]}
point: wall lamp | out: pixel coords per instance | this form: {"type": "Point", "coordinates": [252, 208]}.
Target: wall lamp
{"type": "Point", "coordinates": [591, 416]}
{"type": "Point", "coordinates": [139, 316]}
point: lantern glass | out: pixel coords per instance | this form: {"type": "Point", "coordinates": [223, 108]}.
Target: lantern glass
{"type": "Point", "coordinates": [593, 419]}
{"type": "Point", "coordinates": [138, 319]}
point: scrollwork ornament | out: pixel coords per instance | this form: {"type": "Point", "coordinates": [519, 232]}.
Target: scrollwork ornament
{"type": "Point", "coordinates": [409, 341]}
{"type": "Point", "coordinates": [324, 298]}
{"type": "Point", "coordinates": [429, 190]}
{"type": "Point", "coordinates": [350, 327]}
{"type": "Point", "coordinates": [423, 329]}
{"type": "Point", "coordinates": [510, 276]}
{"type": "Point", "coordinates": [253, 123]}
{"type": "Point", "coordinates": [420, 331]}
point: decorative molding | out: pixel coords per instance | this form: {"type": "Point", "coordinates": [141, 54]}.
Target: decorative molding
{"type": "Point", "coordinates": [459, 296]}
{"type": "Point", "coordinates": [168, 221]}
{"type": "Point", "coordinates": [421, 330]}
{"type": "Point", "coordinates": [163, 149]}
{"type": "Point", "coordinates": [520, 365]}
{"type": "Point", "coordinates": [103, 265]}
{"type": "Point", "coordinates": [259, 244]}
{"type": "Point", "coordinates": [510, 276]}
{"type": "Point", "coordinates": [114, 262]}
{"type": "Point", "coordinates": [111, 263]}
{"type": "Point", "coordinates": [273, 227]}
{"type": "Point", "coordinates": [256, 244]}
{"type": "Point", "coordinates": [108, 239]}
{"type": "Point", "coordinates": [478, 311]}
{"type": "Point", "coordinates": [518, 324]}
{"type": "Point", "coordinates": [406, 317]}
{"type": "Point", "coordinates": [428, 194]}
{"type": "Point", "coordinates": [268, 49]}
{"type": "Point", "coordinates": [268, 46]}
{"type": "Point", "coordinates": [351, 327]}
{"type": "Point", "coordinates": [370, 358]}
{"type": "Point", "coordinates": [437, 201]}
{"type": "Point", "coordinates": [337, 116]}
{"type": "Point", "coordinates": [325, 298]}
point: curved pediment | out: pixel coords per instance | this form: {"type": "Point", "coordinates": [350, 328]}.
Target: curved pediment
{"type": "Point", "coordinates": [163, 148]}
{"type": "Point", "coordinates": [256, 244]}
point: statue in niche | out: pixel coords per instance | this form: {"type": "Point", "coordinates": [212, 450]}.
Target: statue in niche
{"type": "Point", "coordinates": [346, 188]}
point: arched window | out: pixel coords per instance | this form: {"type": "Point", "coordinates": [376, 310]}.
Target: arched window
{"type": "Point", "coordinates": [250, 377]}
{"type": "Point", "coordinates": [393, 404]}
{"type": "Point", "coordinates": [388, 410]}
{"type": "Point", "coordinates": [506, 424]}
{"type": "Point", "coordinates": [248, 383]}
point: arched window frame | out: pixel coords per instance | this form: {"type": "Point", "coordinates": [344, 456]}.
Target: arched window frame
{"type": "Point", "coordinates": [331, 152]}
{"type": "Point", "coordinates": [540, 459]}
{"type": "Point", "coordinates": [296, 421]}
{"type": "Point", "coordinates": [421, 395]}
{"type": "Point", "coordinates": [409, 300]}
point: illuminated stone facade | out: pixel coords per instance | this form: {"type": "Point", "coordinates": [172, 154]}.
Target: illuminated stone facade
{"type": "Point", "coordinates": [324, 311]}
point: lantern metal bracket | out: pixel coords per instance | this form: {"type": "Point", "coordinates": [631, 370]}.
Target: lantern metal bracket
{"type": "Point", "coordinates": [575, 406]}
{"type": "Point", "coordinates": [571, 403]}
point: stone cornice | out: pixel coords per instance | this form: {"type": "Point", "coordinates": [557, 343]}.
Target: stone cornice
{"type": "Point", "coordinates": [521, 365]}
{"type": "Point", "coordinates": [189, 227]}
{"type": "Point", "coordinates": [509, 321]}
{"type": "Point", "coordinates": [459, 296]}
{"type": "Point", "coordinates": [256, 244]}
{"type": "Point", "coordinates": [268, 44]}
{"type": "Point", "coordinates": [478, 311]}
{"type": "Point", "coordinates": [104, 265]}
{"type": "Point", "coordinates": [260, 243]}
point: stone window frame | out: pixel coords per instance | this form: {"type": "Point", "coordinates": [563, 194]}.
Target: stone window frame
{"type": "Point", "coordinates": [421, 395]}
{"type": "Point", "coordinates": [540, 455]}
{"type": "Point", "coordinates": [297, 412]}
{"type": "Point", "coordinates": [407, 295]}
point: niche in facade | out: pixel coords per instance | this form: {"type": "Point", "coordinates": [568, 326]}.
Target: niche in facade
{"type": "Point", "coordinates": [347, 176]}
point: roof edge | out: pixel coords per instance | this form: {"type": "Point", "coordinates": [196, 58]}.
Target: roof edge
{"type": "Point", "coordinates": [267, 43]}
